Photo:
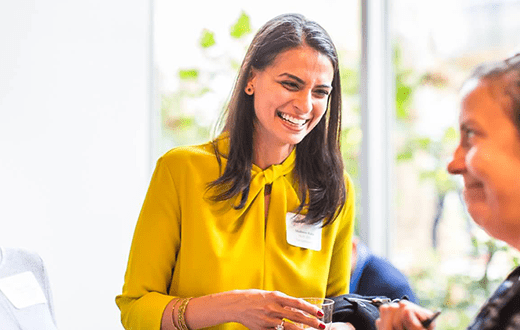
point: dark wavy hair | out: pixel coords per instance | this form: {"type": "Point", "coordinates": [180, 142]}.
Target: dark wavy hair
{"type": "Point", "coordinates": [319, 164]}
{"type": "Point", "coordinates": [507, 73]}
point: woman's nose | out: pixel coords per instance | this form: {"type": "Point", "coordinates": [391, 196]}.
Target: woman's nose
{"type": "Point", "coordinates": [458, 164]}
{"type": "Point", "coordinates": [304, 101]}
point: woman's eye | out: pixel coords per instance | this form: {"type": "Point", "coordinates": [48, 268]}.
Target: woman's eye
{"type": "Point", "coordinates": [290, 85]}
{"type": "Point", "coordinates": [322, 92]}
{"type": "Point", "coordinates": [469, 133]}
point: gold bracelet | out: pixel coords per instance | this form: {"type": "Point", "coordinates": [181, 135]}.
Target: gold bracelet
{"type": "Point", "coordinates": [180, 314]}
{"type": "Point", "coordinates": [173, 314]}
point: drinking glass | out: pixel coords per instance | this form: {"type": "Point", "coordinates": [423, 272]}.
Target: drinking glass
{"type": "Point", "coordinates": [326, 305]}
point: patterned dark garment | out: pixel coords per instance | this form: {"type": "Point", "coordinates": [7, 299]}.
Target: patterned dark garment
{"type": "Point", "coordinates": [502, 310]}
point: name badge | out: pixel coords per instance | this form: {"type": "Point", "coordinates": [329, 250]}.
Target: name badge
{"type": "Point", "coordinates": [301, 234]}
{"type": "Point", "coordinates": [22, 290]}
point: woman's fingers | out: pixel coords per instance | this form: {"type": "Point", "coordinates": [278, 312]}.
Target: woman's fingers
{"type": "Point", "coordinates": [297, 310]}
{"type": "Point", "coordinates": [266, 309]}
{"type": "Point", "coordinates": [302, 319]}
{"type": "Point", "coordinates": [402, 316]}
{"type": "Point", "coordinates": [300, 311]}
{"type": "Point", "coordinates": [387, 316]}
{"type": "Point", "coordinates": [300, 304]}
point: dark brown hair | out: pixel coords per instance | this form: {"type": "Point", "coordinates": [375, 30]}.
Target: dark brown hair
{"type": "Point", "coordinates": [319, 165]}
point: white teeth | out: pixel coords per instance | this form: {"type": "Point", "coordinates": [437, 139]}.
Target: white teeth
{"type": "Point", "coordinates": [291, 119]}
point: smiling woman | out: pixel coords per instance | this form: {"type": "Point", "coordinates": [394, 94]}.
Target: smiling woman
{"type": "Point", "coordinates": [291, 97]}
{"type": "Point", "coordinates": [211, 247]}
{"type": "Point", "coordinates": [489, 150]}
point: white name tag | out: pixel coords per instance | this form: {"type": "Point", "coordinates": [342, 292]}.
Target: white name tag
{"type": "Point", "coordinates": [22, 290]}
{"type": "Point", "coordinates": [302, 234]}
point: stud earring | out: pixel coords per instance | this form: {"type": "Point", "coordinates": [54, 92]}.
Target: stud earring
{"type": "Point", "coordinates": [249, 90]}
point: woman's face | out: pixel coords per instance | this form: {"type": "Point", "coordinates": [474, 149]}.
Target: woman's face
{"type": "Point", "coordinates": [291, 96]}
{"type": "Point", "coordinates": [488, 158]}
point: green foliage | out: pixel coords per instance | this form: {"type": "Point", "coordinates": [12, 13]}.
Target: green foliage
{"type": "Point", "coordinates": [403, 89]}
{"type": "Point", "coordinates": [405, 155]}
{"type": "Point", "coordinates": [450, 135]}
{"type": "Point", "coordinates": [351, 142]}
{"type": "Point", "coordinates": [406, 84]}
{"type": "Point", "coordinates": [180, 110]}
{"type": "Point", "coordinates": [207, 39]}
{"type": "Point", "coordinates": [188, 74]}
{"type": "Point", "coordinates": [402, 98]}
{"type": "Point", "coordinates": [242, 26]}
{"type": "Point", "coordinates": [413, 145]}
{"type": "Point", "coordinates": [349, 80]}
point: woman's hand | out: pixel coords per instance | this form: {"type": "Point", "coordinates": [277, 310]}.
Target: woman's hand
{"type": "Point", "coordinates": [402, 316]}
{"type": "Point", "coordinates": [258, 309]}
{"type": "Point", "coordinates": [255, 309]}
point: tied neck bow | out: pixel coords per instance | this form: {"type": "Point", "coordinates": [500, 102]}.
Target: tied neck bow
{"type": "Point", "coordinates": [284, 197]}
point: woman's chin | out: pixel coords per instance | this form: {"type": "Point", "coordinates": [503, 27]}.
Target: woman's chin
{"type": "Point", "coordinates": [481, 214]}
{"type": "Point", "coordinates": [493, 224]}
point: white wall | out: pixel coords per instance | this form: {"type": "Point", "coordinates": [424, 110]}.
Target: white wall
{"type": "Point", "coordinates": [75, 144]}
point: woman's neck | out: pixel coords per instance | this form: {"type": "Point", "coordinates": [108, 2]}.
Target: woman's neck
{"type": "Point", "coordinates": [265, 155]}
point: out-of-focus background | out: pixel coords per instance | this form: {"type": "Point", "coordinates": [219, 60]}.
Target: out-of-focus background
{"type": "Point", "coordinates": [75, 144]}
{"type": "Point", "coordinates": [92, 93]}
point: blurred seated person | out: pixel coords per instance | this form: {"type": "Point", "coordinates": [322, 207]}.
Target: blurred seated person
{"type": "Point", "coordinates": [25, 294]}
{"type": "Point", "coordinates": [373, 275]}
{"type": "Point", "coordinates": [488, 159]}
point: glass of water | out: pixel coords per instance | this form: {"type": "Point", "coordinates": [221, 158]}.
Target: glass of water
{"type": "Point", "coordinates": [326, 305]}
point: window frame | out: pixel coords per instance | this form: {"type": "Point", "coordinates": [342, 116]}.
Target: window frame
{"type": "Point", "coordinates": [376, 213]}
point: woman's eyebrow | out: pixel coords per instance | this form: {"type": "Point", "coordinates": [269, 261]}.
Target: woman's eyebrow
{"type": "Point", "coordinates": [465, 124]}
{"type": "Point", "coordinates": [300, 81]}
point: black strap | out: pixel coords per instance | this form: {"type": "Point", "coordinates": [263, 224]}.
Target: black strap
{"type": "Point", "coordinates": [361, 311]}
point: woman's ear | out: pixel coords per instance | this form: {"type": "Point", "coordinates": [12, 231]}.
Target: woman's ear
{"type": "Point", "coordinates": [250, 86]}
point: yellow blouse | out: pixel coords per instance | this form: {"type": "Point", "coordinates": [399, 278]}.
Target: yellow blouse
{"type": "Point", "coordinates": [187, 246]}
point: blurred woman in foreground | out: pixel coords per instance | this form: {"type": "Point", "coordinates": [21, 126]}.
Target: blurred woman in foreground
{"type": "Point", "coordinates": [488, 158]}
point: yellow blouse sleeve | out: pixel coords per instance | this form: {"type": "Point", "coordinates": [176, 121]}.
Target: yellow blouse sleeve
{"type": "Point", "coordinates": [152, 255]}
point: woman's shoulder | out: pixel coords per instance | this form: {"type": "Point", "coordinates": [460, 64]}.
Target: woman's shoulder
{"type": "Point", "coordinates": [200, 152]}
{"type": "Point", "coordinates": [349, 184]}
{"type": "Point", "coordinates": [201, 159]}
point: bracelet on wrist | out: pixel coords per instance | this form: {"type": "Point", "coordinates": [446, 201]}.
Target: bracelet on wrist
{"type": "Point", "coordinates": [175, 327]}
{"type": "Point", "coordinates": [180, 314]}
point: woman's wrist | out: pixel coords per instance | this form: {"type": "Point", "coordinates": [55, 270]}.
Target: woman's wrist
{"type": "Point", "coordinates": [231, 306]}
{"type": "Point", "coordinates": [213, 309]}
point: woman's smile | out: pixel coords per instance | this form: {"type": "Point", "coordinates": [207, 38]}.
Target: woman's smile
{"type": "Point", "coordinates": [474, 191]}
{"type": "Point", "coordinates": [297, 122]}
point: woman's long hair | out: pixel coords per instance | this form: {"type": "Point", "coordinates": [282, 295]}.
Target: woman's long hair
{"type": "Point", "coordinates": [319, 164]}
